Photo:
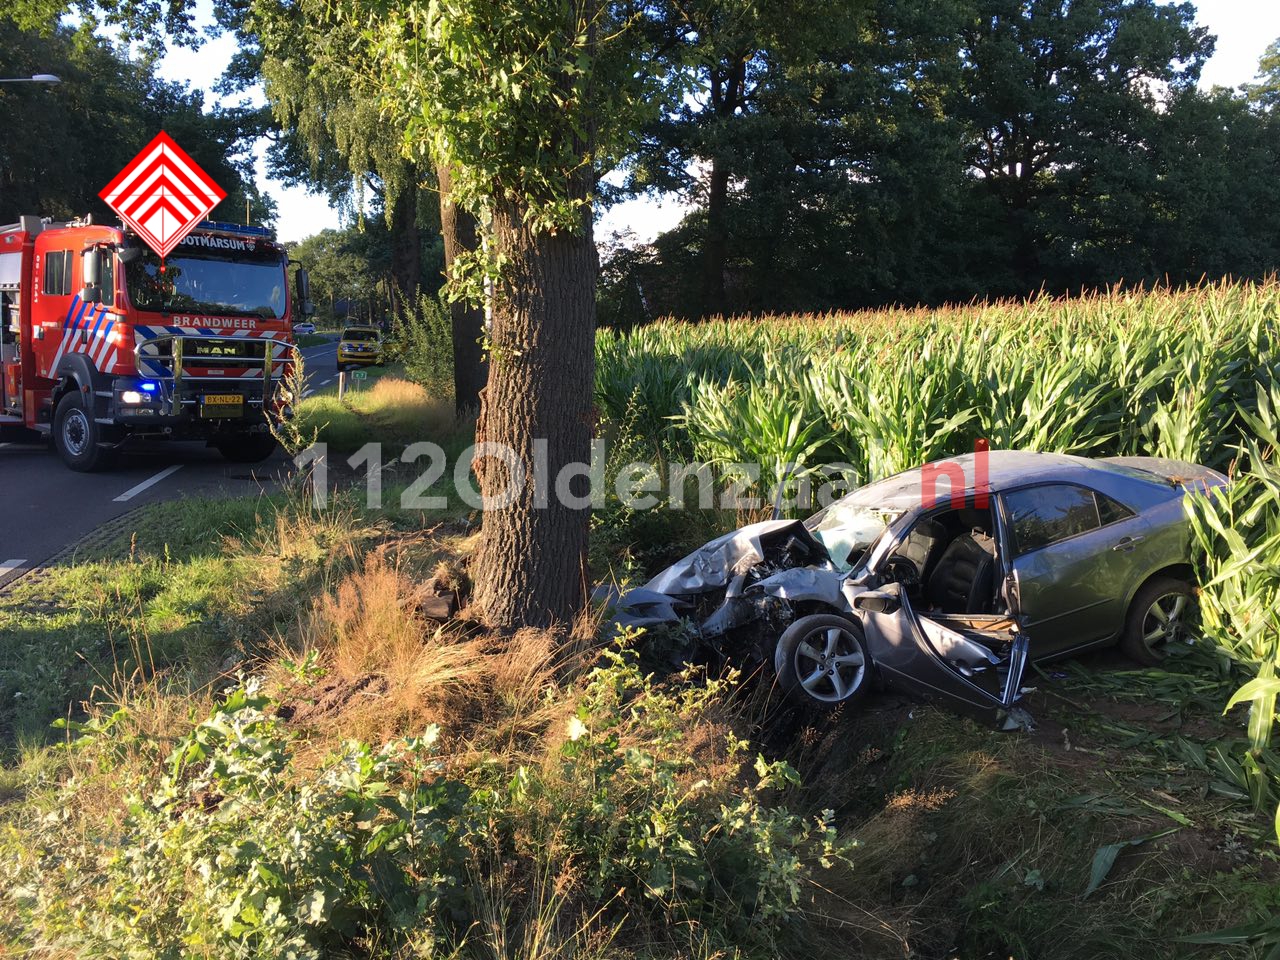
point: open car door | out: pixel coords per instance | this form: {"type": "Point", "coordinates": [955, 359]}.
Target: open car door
{"type": "Point", "coordinates": [974, 662]}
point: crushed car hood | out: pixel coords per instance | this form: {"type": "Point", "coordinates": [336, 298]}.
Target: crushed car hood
{"type": "Point", "coordinates": [714, 564]}
{"type": "Point", "coordinates": [723, 565]}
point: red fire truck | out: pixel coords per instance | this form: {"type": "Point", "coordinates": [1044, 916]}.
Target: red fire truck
{"type": "Point", "coordinates": [101, 344]}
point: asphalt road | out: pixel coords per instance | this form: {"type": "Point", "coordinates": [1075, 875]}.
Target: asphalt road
{"type": "Point", "coordinates": [45, 507]}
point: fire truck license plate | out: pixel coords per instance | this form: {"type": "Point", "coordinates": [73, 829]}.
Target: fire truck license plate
{"type": "Point", "coordinates": [222, 405]}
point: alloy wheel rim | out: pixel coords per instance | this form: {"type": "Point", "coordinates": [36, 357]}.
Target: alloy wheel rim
{"type": "Point", "coordinates": [75, 432]}
{"type": "Point", "coordinates": [830, 664]}
{"type": "Point", "coordinates": [1163, 622]}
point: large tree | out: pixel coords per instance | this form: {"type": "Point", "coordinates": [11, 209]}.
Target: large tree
{"type": "Point", "coordinates": [1266, 90]}
{"type": "Point", "coordinates": [719, 57]}
{"type": "Point", "coordinates": [521, 102]}
{"type": "Point", "coordinates": [333, 136]}
{"type": "Point", "coordinates": [1053, 94]}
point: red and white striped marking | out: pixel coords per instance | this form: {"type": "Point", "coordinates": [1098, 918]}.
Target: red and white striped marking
{"type": "Point", "coordinates": [162, 194]}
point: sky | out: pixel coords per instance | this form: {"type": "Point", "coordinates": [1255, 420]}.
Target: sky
{"type": "Point", "coordinates": [1244, 29]}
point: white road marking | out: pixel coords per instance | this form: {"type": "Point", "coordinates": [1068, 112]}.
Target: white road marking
{"type": "Point", "coordinates": [322, 383]}
{"type": "Point", "coordinates": [9, 566]}
{"type": "Point", "coordinates": [147, 484]}
{"type": "Point", "coordinates": [3, 445]}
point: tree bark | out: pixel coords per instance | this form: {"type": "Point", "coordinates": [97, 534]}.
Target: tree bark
{"type": "Point", "coordinates": [458, 227]}
{"type": "Point", "coordinates": [531, 567]}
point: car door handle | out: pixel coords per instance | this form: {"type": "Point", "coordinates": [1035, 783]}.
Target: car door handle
{"type": "Point", "coordinates": [1128, 543]}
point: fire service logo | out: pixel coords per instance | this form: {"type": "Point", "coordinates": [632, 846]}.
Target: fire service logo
{"type": "Point", "coordinates": [162, 193]}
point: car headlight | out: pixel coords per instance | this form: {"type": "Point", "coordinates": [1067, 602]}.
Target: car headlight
{"type": "Point", "coordinates": [133, 397]}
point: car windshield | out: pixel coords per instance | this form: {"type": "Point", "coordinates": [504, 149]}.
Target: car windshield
{"type": "Point", "coordinates": [360, 335]}
{"type": "Point", "coordinates": [848, 530]}
{"type": "Point", "coordinates": [208, 285]}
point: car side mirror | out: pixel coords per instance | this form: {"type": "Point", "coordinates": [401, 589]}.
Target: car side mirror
{"type": "Point", "coordinates": [878, 601]}
{"type": "Point", "coordinates": [91, 273]}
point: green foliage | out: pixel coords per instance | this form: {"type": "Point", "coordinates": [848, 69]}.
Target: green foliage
{"type": "Point", "coordinates": [346, 266]}
{"type": "Point", "coordinates": [940, 150]}
{"type": "Point", "coordinates": [519, 101]}
{"type": "Point", "coordinates": [637, 810]}
{"type": "Point", "coordinates": [231, 852]}
{"type": "Point", "coordinates": [423, 339]}
{"type": "Point", "coordinates": [1266, 92]}
{"type": "Point", "coordinates": [233, 847]}
{"type": "Point", "coordinates": [769, 420]}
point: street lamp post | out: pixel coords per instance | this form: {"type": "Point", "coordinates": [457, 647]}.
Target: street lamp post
{"type": "Point", "coordinates": [37, 78]}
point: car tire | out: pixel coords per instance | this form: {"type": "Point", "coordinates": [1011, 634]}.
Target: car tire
{"type": "Point", "coordinates": [249, 448]}
{"type": "Point", "coordinates": [76, 436]}
{"type": "Point", "coordinates": [1157, 617]}
{"type": "Point", "coordinates": [822, 662]}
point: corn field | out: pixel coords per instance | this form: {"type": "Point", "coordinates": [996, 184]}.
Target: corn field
{"type": "Point", "coordinates": [1191, 374]}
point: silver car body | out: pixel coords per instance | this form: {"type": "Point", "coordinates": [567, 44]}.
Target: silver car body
{"type": "Point", "coordinates": [1125, 521]}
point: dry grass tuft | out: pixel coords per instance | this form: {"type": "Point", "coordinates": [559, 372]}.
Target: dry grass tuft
{"type": "Point", "coordinates": [387, 670]}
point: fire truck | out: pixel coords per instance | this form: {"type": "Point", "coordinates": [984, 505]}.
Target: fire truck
{"type": "Point", "coordinates": [103, 345]}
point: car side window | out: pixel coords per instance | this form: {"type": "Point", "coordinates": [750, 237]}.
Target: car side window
{"type": "Point", "coordinates": [1044, 515]}
{"type": "Point", "coordinates": [1111, 511]}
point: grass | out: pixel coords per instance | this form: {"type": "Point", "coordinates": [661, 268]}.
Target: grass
{"type": "Point", "coordinates": [311, 340]}
{"type": "Point", "coordinates": [385, 408]}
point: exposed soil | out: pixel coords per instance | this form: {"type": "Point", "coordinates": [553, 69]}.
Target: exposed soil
{"type": "Point", "coordinates": [330, 698]}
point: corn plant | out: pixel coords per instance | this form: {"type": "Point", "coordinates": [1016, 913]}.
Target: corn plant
{"type": "Point", "coordinates": [1237, 535]}
{"type": "Point", "coordinates": [766, 419]}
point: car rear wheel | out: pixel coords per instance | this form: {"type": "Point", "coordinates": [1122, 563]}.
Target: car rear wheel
{"type": "Point", "coordinates": [1157, 618]}
{"type": "Point", "coordinates": [822, 661]}
{"type": "Point", "coordinates": [77, 437]}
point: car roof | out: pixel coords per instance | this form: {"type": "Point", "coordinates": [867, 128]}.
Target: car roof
{"type": "Point", "coordinates": [1004, 470]}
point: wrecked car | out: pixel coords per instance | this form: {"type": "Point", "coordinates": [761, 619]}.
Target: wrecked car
{"type": "Point", "coordinates": [946, 580]}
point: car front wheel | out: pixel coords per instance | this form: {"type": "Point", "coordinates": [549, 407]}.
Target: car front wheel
{"type": "Point", "coordinates": [822, 661]}
{"type": "Point", "coordinates": [1157, 618]}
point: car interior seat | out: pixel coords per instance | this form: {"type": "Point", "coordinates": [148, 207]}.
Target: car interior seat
{"type": "Point", "coordinates": [922, 543]}
{"type": "Point", "coordinates": [962, 580]}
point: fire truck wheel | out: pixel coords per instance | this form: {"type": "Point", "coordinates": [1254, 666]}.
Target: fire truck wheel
{"type": "Point", "coordinates": [250, 448]}
{"type": "Point", "coordinates": [76, 436]}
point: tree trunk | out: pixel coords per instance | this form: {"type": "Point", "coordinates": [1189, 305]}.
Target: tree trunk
{"type": "Point", "coordinates": [458, 227]}
{"type": "Point", "coordinates": [532, 564]}
{"type": "Point", "coordinates": [406, 249]}
{"type": "Point", "coordinates": [716, 247]}
{"type": "Point", "coordinates": [728, 90]}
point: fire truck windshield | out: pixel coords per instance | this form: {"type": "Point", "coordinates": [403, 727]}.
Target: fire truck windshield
{"type": "Point", "coordinates": [208, 284]}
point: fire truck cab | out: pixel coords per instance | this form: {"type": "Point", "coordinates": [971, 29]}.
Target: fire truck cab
{"type": "Point", "coordinates": [102, 344]}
